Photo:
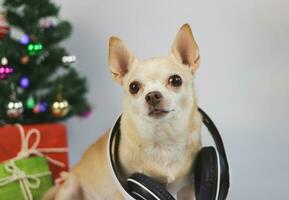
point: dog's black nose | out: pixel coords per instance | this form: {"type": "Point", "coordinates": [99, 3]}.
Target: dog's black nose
{"type": "Point", "coordinates": [153, 98]}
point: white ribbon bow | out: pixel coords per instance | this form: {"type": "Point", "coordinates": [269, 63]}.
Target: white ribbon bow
{"type": "Point", "coordinates": [34, 150]}
{"type": "Point", "coordinates": [26, 182]}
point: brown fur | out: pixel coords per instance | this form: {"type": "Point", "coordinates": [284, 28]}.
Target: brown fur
{"type": "Point", "coordinates": [162, 148]}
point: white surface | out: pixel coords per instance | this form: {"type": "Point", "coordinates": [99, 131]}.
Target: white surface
{"type": "Point", "coordinates": [243, 81]}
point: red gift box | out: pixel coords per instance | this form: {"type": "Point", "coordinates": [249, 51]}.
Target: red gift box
{"type": "Point", "coordinates": [50, 142]}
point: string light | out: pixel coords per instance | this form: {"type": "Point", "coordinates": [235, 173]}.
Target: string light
{"type": "Point", "coordinates": [68, 59]}
{"type": "Point", "coordinates": [34, 48]}
{"type": "Point", "coordinates": [4, 61]}
{"type": "Point", "coordinates": [24, 39]}
{"type": "Point", "coordinates": [5, 68]}
{"type": "Point", "coordinates": [24, 82]}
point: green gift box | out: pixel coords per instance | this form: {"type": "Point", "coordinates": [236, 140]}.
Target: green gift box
{"type": "Point", "coordinates": [25, 179]}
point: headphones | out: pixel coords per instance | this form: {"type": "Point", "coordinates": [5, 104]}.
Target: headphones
{"type": "Point", "coordinates": [211, 170]}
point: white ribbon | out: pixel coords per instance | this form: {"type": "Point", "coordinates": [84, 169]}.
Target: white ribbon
{"type": "Point", "coordinates": [25, 151]}
{"type": "Point", "coordinates": [26, 182]}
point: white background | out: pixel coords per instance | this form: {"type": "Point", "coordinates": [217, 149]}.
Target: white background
{"type": "Point", "coordinates": [242, 82]}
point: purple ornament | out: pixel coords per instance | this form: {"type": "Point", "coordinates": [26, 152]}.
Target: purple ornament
{"type": "Point", "coordinates": [24, 82]}
{"type": "Point", "coordinates": [43, 106]}
{"type": "Point", "coordinates": [24, 39]}
{"type": "Point", "coordinates": [86, 114]}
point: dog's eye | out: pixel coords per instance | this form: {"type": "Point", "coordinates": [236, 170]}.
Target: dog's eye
{"type": "Point", "coordinates": [134, 87]}
{"type": "Point", "coordinates": [175, 80]}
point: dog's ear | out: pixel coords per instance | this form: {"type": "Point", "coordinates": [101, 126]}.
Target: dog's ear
{"type": "Point", "coordinates": [120, 59]}
{"type": "Point", "coordinates": [185, 48]}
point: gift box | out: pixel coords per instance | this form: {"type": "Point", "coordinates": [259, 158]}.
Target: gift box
{"type": "Point", "coordinates": [49, 140]}
{"type": "Point", "coordinates": [25, 179]}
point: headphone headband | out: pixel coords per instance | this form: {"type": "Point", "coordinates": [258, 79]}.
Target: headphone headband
{"type": "Point", "coordinates": [214, 133]}
{"type": "Point", "coordinates": [114, 173]}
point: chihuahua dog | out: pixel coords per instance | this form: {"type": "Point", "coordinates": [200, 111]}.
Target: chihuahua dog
{"type": "Point", "coordinates": [160, 125]}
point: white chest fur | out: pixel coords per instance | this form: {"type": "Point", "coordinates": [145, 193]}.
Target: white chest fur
{"type": "Point", "coordinates": [167, 156]}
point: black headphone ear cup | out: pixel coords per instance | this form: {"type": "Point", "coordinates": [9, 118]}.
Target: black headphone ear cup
{"type": "Point", "coordinates": [142, 187]}
{"type": "Point", "coordinates": [206, 174]}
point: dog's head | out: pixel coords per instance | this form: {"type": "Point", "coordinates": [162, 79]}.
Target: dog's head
{"type": "Point", "coordinates": [157, 88]}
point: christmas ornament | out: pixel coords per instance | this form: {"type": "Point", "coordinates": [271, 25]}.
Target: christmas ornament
{"type": "Point", "coordinates": [30, 103]}
{"type": "Point", "coordinates": [43, 106]}
{"type": "Point", "coordinates": [24, 82]}
{"type": "Point", "coordinates": [86, 114]}
{"type": "Point", "coordinates": [40, 107]}
{"type": "Point", "coordinates": [5, 68]}
{"type": "Point", "coordinates": [48, 22]}
{"type": "Point", "coordinates": [68, 59]}
{"type": "Point", "coordinates": [4, 28]}
{"type": "Point", "coordinates": [34, 48]}
{"type": "Point", "coordinates": [24, 39]}
{"type": "Point", "coordinates": [25, 59]}
{"type": "Point", "coordinates": [14, 107]}
{"type": "Point", "coordinates": [60, 107]}
{"type": "Point", "coordinates": [36, 109]}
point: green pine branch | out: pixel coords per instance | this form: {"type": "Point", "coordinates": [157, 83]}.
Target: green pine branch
{"type": "Point", "coordinates": [49, 76]}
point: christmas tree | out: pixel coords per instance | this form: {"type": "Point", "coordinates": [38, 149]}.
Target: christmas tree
{"type": "Point", "coordinates": [37, 80]}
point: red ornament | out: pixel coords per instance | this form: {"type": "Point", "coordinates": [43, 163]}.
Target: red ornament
{"type": "Point", "coordinates": [4, 28]}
